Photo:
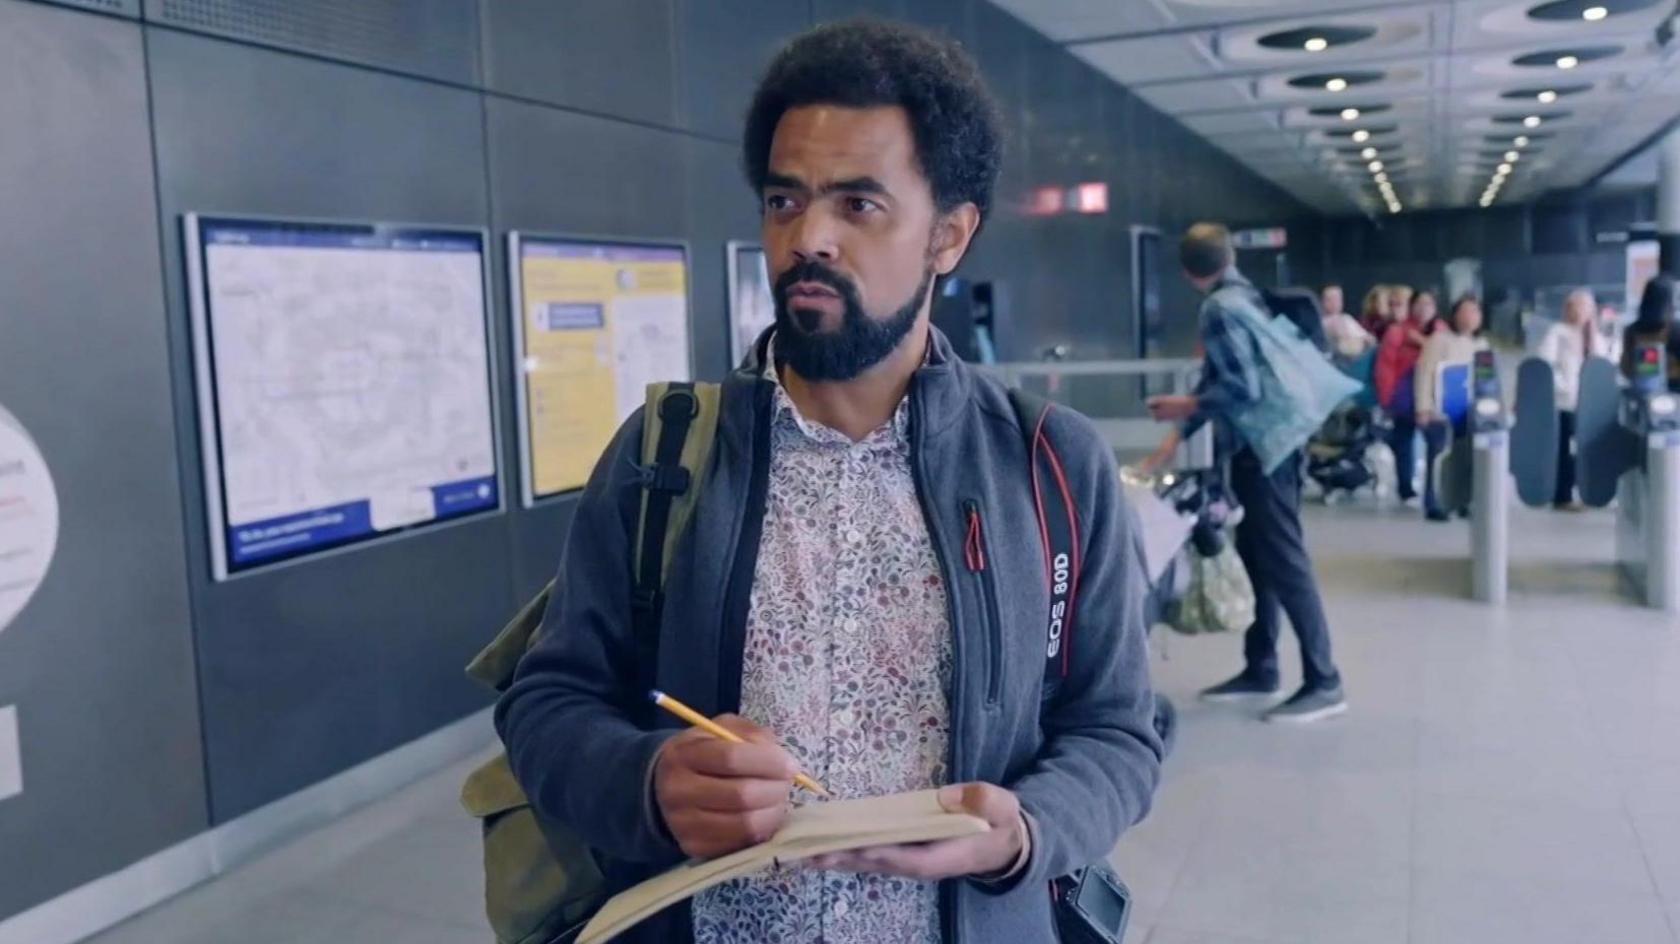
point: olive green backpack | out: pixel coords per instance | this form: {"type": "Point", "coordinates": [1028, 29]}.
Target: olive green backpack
{"type": "Point", "coordinates": [541, 882]}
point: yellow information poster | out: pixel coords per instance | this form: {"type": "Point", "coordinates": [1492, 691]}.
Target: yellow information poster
{"type": "Point", "coordinates": [599, 322]}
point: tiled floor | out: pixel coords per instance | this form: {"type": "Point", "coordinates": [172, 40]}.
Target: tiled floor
{"type": "Point", "coordinates": [1505, 776]}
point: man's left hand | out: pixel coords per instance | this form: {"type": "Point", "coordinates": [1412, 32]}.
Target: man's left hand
{"type": "Point", "coordinates": [987, 854]}
{"type": "Point", "coordinates": [1171, 408]}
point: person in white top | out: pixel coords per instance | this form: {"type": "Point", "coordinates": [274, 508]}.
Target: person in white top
{"type": "Point", "coordinates": [1455, 341]}
{"type": "Point", "coordinates": [1347, 338]}
{"type": "Point", "coordinates": [1566, 345]}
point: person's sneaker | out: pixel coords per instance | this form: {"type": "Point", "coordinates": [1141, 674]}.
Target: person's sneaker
{"type": "Point", "coordinates": [1569, 506]}
{"type": "Point", "coordinates": [1244, 687]}
{"type": "Point", "coordinates": [1436, 514]}
{"type": "Point", "coordinates": [1309, 704]}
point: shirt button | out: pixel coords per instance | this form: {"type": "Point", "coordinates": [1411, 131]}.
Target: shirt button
{"type": "Point", "coordinates": [840, 908]}
{"type": "Point", "coordinates": [854, 536]}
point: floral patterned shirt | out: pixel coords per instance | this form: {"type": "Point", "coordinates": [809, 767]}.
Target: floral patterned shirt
{"type": "Point", "coordinates": [849, 659]}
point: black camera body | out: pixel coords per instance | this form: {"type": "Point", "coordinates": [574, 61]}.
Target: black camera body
{"type": "Point", "coordinates": [1092, 906]}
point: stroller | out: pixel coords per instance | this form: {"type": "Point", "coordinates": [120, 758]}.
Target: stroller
{"type": "Point", "coordinates": [1189, 512]}
{"type": "Point", "coordinates": [1337, 454]}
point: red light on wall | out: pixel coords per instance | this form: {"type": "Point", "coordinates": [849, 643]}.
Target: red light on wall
{"type": "Point", "coordinates": [1091, 198]}
{"type": "Point", "coordinates": [1045, 201]}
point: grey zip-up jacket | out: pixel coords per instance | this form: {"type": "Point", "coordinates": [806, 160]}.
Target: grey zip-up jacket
{"type": "Point", "coordinates": [1084, 763]}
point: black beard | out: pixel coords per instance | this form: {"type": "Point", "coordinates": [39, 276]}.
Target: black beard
{"type": "Point", "coordinates": [859, 344]}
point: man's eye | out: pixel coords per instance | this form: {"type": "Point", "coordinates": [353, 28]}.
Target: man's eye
{"type": "Point", "coordinates": [861, 205]}
{"type": "Point", "coordinates": [777, 202]}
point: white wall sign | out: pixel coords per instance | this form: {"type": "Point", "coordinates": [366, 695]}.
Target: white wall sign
{"type": "Point", "coordinates": [28, 518]}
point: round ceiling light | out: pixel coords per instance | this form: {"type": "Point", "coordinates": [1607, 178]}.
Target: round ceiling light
{"type": "Point", "coordinates": [1511, 156]}
{"type": "Point", "coordinates": [1545, 95]}
{"type": "Point", "coordinates": [1316, 38]}
{"type": "Point", "coordinates": [1567, 58]}
{"type": "Point", "coordinates": [1593, 11]}
{"type": "Point", "coordinates": [1368, 153]}
{"type": "Point", "coordinates": [1334, 81]}
{"type": "Point", "coordinates": [1361, 136]}
{"type": "Point", "coordinates": [1520, 140]}
{"type": "Point", "coordinates": [1532, 121]}
{"type": "Point", "coordinates": [1375, 166]}
{"type": "Point", "coordinates": [1504, 169]}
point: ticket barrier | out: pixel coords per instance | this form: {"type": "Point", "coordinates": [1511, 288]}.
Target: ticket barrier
{"type": "Point", "coordinates": [1478, 480]}
{"type": "Point", "coordinates": [1628, 451]}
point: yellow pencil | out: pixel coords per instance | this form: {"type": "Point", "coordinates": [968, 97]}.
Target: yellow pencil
{"type": "Point", "coordinates": [714, 729]}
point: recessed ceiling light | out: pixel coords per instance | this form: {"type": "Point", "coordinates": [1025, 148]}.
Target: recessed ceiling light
{"type": "Point", "coordinates": [1594, 14]}
{"type": "Point", "coordinates": [1521, 140]}
{"type": "Point", "coordinates": [1382, 177]}
{"type": "Point", "coordinates": [1568, 62]}
{"type": "Point", "coordinates": [1317, 44]}
{"type": "Point", "coordinates": [1375, 166]}
{"type": "Point", "coordinates": [1349, 114]}
{"type": "Point", "coordinates": [1504, 169]}
{"type": "Point", "coordinates": [1512, 155]}
{"type": "Point", "coordinates": [1338, 84]}
{"type": "Point", "coordinates": [1361, 136]}
{"type": "Point", "coordinates": [1532, 121]}
{"type": "Point", "coordinates": [1368, 153]}
{"type": "Point", "coordinates": [1547, 97]}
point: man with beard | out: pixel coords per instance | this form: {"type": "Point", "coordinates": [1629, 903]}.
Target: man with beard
{"type": "Point", "coordinates": [861, 592]}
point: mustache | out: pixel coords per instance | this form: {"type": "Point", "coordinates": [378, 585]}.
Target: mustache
{"type": "Point", "coordinates": [813, 272]}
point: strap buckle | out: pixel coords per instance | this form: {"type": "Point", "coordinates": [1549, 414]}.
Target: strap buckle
{"type": "Point", "coordinates": [666, 478]}
{"type": "Point", "coordinates": [646, 601]}
{"type": "Point", "coordinates": [679, 403]}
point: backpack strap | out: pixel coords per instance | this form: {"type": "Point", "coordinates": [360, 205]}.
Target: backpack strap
{"type": "Point", "coordinates": [678, 428]}
{"type": "Point", "coordinates": [1058, 528]}
{"type": "Point", "coordinates": [677, 432]}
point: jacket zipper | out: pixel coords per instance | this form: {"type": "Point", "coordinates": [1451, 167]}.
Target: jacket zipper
{"type": "Point", "coordinates": [957, 773]}
{"type": "Point", "coordinates": [978, 556]}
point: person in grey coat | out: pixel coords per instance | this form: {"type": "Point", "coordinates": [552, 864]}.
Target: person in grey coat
{"type": "Point", "coordinates": [862, 590]}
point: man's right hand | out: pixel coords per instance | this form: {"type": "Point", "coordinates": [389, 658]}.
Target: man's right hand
{"type": "Point", "coordinates": [718, 797]}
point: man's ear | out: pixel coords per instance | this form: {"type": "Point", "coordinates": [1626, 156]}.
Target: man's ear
{"type": "Point", "coordinates": [951, 236]}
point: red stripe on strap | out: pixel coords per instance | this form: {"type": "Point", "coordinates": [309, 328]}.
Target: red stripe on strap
{"type": "Point", "coordinates": [1073, 527]}
{"type": "Point", "coordinates": [1038, 499]}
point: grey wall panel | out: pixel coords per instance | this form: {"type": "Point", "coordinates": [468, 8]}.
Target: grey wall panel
{"type": "Point", "coordinates": [557, 170]}
{"type": "Point", "coordinates": [128, 8]}
{"type": "Point", "coordinates": [565, 173]}
{"type": "Point", "coordinates": [310, 668]}
{"type": "Point", "coordinates": [100, 663]}
{"type": "Point", "coordinates": [721, 207]}
{"type": "Point", "coordinates": [433, 38]}
{"type": "Point", "coordinates": [723, 47]}
{"type": "Point", "coordinates": [603, 56]}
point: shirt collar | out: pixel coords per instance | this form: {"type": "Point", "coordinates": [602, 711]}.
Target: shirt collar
{"type": "Point", "coordinates": [896, 431]}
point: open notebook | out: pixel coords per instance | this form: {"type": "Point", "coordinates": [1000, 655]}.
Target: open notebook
{"type": "Point", "coordinates": [813, 830]}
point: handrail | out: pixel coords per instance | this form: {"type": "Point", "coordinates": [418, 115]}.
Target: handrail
{"type": "Point", "coordinates": [1121, 368]}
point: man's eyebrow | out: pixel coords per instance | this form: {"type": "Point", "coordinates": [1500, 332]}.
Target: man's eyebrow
{"type": "Point", "coordinates": [865, 185]}
{"type": "Point", "coordinates": [773, 179]}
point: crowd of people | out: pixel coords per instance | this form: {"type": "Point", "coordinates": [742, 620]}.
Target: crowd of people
{"type": "Point", "coordinates": [1400, 340]}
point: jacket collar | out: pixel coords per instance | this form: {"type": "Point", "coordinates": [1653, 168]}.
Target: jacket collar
{"type": "Point", "coordinates": [940, 389]}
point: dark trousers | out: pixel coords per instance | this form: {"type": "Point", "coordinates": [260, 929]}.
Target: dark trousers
{"type": "Point", "coordinates": [1436, 437]}
{"type": "Point", "coordinates": [1566, 458]}
{"type": "Point", "coordinates": [1272, 548]}
{"type": "Point", "coordinates": [1402, 439]}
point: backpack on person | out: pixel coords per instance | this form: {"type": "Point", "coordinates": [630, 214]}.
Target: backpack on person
{"type": "Point", "coordinates": [542, 882]}
{"type": "Point", "coordinates": [1299, 387]}
{"type": "Point", "coordinates": [1301, 307]}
